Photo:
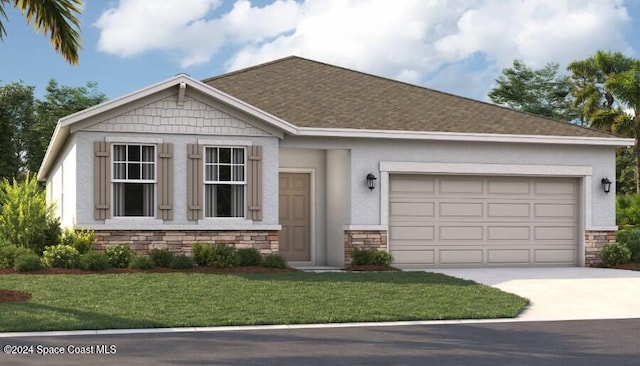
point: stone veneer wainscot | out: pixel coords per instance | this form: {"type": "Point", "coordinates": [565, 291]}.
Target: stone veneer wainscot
{"type": "Point", "coordinates": [369, 239]}
{"type": "Point", "coordinates": [142, 241]}
{"type": "Point", "coordinates": [593, 243]}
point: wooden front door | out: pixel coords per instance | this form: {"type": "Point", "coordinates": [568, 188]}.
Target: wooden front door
{"type": "Point", "coordinates": [295, 216]}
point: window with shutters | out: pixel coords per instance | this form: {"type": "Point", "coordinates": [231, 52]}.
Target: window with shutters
{"type": "Point", "coordinates": [224, 181]}
{"type": "Point", "coordinates": [134, 180]}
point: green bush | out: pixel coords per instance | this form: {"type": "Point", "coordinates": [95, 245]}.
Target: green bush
{"type": "Point", "coordinates": [201, 253]}
{"type": "Point", "coordinates": [161, 257]}
{"type": "Point", "coordinates": [628, 211]}
{"type": "Point", "coordinates": [181, 262]}
{"type": "Point", "coordinates": [223, 256]}
{"type": "Point", "coordinates": [631, 238]}
{"type": "Point", "coordinates": [140, 262]}
{"type": "Point", "coordinates": [119, 256]}
{"type": "Point", "coordinates": [274, 261]}
{"type": "Point", "coordinates": [94, 261]}
{"type": "Point", "coordinates": [249, 257]}
{"type": "Point", "coordinates": [370, 257]}
{"type": "Point", "coordinates": [61, 256]}
{"type": "Point", "coordinates": [615, 254]}
{"type": "Point", "coordinates": [9, 253]}
{"type": "Point", "coordinates": [82, 240]}
{"type": "Point", "coordinates": [25, 217]}
{"type": "Point", "coordinates": [27, 262]}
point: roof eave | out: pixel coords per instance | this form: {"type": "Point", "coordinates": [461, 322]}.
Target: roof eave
{"type": "Point", "coordinates": [464, 137]}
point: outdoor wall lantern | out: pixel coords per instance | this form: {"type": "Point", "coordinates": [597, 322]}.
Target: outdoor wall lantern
{"type": "Point", "coordinates": [606, 185]}
{"type": "Point", "coordinates": [371, 181]}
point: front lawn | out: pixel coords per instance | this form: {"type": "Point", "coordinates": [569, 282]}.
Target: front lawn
{"type": "Point", "coordinates": [153, 300]}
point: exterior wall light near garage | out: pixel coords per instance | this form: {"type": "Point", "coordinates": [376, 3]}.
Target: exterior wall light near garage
{"type": "Point", "coordinates": [606, 185]}
{"type": "Point", "coordinates": [371, 181]}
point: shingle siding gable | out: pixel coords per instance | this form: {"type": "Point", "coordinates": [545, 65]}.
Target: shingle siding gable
{"type": "Point", "coordinates": [165, 116]}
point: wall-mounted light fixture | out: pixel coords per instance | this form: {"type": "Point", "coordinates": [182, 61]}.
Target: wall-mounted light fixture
{"type": "Point", "coordinates": [371, 181]}
{"type": "Point", "coordinates": [606, 185]}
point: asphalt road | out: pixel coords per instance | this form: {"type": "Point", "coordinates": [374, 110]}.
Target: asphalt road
{"type": "Point", "coordinates": [566, 343]}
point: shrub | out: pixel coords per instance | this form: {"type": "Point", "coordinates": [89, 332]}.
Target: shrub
{"type": "Point", "coordinates": [27, 262]}
{"type": "Point", "coordinates": [370, 257]}
{"type": "Point", "coordinates": [82, 240]}
{"type": "Point", "coordinates": [25, 217]}
{"type": "Point", "coordinates": [161, 257]}
{"type": "Point", "coordinates": [201, 253]}
{"type": "Point", "coordinates": [615, 254]}
{"type": "Point", "coordinates": [274, 261]}
{"type": "Point", "coordinates": [223, 256]}
{"type": "Point", "coordinates": [94, 261]}
{"type": "Point", "coordinates": [119, 256]}
{"type": "Point", "coordinates": [631, 238]}
{"type": "Point", "coordinates": [249, 257]}
{"type": "Point", "coordinates": [140, 262]}
{"type": "Point", "coordinates": [61, 256]}
{"type": "Point", "coordinates": [181, 262]}
{"type": "Point", "coordinates": [628, 211]}
{"type": "Point", "coordinates": [9, 253]}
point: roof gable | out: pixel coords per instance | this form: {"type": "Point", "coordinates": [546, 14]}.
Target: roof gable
{"type": "Point", "coordinates": [311, 94]}
{"type": "Point", "coordinates": [180, 87]}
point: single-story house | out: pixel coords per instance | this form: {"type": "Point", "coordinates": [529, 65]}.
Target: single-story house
{"type": "Point", "coordinates": [311, 160]}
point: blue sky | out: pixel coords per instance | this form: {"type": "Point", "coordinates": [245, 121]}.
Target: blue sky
{"type": "Point", "coordinates": [458, 46]}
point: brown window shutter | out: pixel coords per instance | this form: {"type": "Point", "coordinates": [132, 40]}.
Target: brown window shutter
{"type": "Point", "coordinates": [165, 181]}
{"type": "Point", "coordinates": [254, 183]}
{"type": "Point", "coordinates": [195, 182]}
{"type": "Point", "coordinates": [101, 180]}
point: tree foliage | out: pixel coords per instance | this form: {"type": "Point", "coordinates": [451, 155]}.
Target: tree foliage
{"type": "Point", "coordinates": [543, 91]}
{"type": "Point", "coordinates": [16, 119]}
{"type": "Point", "coordinates": [59, 101]}
{"type": "Point", "coordinates": [26, 123]}
{"type": "Point", "coordinates": [608, 93]}
{"type": "Point", "coordinates": [58, 17]}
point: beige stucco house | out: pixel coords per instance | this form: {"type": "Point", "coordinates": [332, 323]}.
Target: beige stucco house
{"type": "Point", "coordinates": [282, 156]}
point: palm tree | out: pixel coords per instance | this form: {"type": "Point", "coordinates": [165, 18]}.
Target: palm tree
{"type": "Point", "coordinates": [608, 92]}
{"type": "Point", "coordinates": [60, 17]}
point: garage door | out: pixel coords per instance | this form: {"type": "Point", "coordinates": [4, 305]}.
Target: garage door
{"type": "Point", "coordinates": [483, 221]}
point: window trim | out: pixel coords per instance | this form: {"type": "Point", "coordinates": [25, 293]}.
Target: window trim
{"type": "Point", "coordinates": [134, 142]}
{"type": "Point", "coordinates": [243, 183]}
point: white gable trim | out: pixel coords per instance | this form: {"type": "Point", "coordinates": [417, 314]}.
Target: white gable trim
{"type": "Point", "coordinates": [66, 125]}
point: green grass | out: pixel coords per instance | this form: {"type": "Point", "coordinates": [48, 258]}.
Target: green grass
{"type": "Point", "coordinates": [72, 302]}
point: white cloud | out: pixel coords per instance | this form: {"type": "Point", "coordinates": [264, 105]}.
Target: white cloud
{"type": "Point", "coordinates": [137, 26]}
{"type": "Point", "coordinates": [405, 39]}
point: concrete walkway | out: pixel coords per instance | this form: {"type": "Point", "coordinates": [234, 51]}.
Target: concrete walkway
{"type": "Point", "coordinates": [564, 293]}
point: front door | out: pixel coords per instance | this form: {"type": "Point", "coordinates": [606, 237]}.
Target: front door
{"type": "Point", "coordinates": [295, 216]}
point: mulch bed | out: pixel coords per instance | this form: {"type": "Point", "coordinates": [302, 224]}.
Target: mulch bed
{"type": "Point", "coordinates": [13, 296]}
{"type": "Point", "coordinates": [370, 269]}
{"type": "Point", "coordinates": [49, 270]}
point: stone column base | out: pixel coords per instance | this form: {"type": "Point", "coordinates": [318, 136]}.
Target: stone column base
{"type": "Point", "coordinates": [593, 243]}
{"type": "Point", "coordinates": [370, 239]}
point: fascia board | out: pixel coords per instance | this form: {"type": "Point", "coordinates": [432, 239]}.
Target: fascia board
{"type": "Point", "coordinates": [465, 137]}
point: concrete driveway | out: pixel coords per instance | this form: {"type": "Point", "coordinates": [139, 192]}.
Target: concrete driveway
{"type": "Point", "coordinates": [564, 293]}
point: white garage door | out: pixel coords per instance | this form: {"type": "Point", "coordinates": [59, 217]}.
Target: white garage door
{"type": "Point", "coordinates": [483, 221]}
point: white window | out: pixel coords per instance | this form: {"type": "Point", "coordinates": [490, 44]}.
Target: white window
{"type": "Point", "coordinates": [224, 181]}
{"type": "Point", "coordinates": [134, 180]}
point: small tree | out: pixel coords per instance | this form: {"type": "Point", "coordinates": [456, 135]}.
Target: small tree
{"type": "Point", "coordinates": [25, 217]}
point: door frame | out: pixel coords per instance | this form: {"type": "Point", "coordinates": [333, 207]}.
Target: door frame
{"type": "Point", "coordinates": [312, 208]}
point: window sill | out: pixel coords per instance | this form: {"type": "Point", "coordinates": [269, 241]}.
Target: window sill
{"type": "Point", "coordinates": [128, 221]}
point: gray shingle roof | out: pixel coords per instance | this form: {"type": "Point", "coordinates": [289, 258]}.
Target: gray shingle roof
{"type": "Point", "coordinates": [308, 93]}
